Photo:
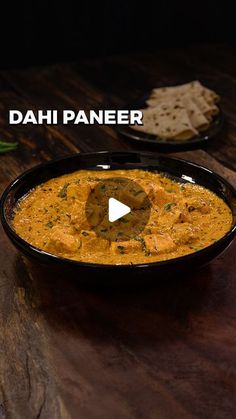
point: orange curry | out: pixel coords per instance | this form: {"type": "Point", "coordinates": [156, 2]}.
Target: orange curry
{"type": "Point", "coordinates": [184, 218]}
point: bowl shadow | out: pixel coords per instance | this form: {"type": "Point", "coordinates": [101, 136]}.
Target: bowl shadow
{"type": "Point", "coordinates": [152, 312]}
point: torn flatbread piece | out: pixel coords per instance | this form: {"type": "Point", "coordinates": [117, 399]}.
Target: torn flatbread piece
{"type": "Point", "coordinates": [197, 117]}
{"type": "Point", "coordinates": [209, 110]}
{"type": "Point", "coordinates": [179, 112]}
{"type": "Point", "coordinates": [194, 87]}
{"type": "Point", "coordinates": [167, 121]}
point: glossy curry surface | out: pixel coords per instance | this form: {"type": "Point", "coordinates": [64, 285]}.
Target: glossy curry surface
{"type": "Point", "coordinates": [183, 218]}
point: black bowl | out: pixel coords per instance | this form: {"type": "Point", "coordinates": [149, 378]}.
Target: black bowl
{"type": "Point", "coordinates": [177, 169]}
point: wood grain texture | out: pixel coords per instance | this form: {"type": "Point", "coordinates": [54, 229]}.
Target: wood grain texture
{"type": "Point", "coordinates": [161, 353]}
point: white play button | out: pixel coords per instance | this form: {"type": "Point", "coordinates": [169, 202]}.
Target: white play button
{"type": "Point", "coordinates": [116, 210]}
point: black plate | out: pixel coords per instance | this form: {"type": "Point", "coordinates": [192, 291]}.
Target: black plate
{"type": "Point", "coordinates": [177, 169]}
{"type": "Point", "coordinates": [171, 145]}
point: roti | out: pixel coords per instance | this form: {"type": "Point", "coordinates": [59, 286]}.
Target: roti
{"type": "Point", "coordinates": [167, 120]}
{"type": "Point", "coordinates": [194, 87]}
{"type": "Point", "coordinates": [197, 117]}
{"type": "Point", "coordinates": [179, 112]}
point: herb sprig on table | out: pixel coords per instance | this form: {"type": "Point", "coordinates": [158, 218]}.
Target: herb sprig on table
{"type": "Point", "coordinates": [5, 147]}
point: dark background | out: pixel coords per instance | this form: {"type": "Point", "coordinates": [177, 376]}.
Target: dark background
{"type": "Point", "coordinates": [41, 32]}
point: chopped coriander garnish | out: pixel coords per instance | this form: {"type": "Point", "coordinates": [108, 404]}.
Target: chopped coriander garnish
{"type": "Point", "coordinates": [124, 221]}
{"type": "Point", "coordinates": [92, 179]}
{"type": "Point", "coordinates": [168, 206]}
{"type": "Point", "coordinates": [63, 192]}
{"type": "Point", "coordinates": [50, 224]}
{"type": "Point", "coordinates": [103, 187]}
{"type": "Point", "coordinates": [121, 249]}
{"type": "Point", "coordinates": [145, 250]}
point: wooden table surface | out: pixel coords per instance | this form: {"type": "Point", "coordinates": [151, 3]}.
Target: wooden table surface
{"type": "Point", "coordinates": [166, 352]}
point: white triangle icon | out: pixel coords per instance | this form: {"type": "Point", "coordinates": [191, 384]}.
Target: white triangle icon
{"type": "Point", "coordinates": [116, 209]}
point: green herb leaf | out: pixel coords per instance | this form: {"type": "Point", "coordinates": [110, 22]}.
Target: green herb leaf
{"type": "Point", "coordinates": [5, 147]}
{"type": "Point", "coordinates": [94, 179]}
{"type": "Point", "coordinates": [145, 250]}
{"type": "Point", "coordinates": [168, 206]}
{"type": "Point", "coordinates": [50, 224]}
{"type": "Point", "coordinates": [103, 187]}
{"type": "Point", "coordinates": [63, 192]}
{"type": "Point", "coordinates": [121, 249]}
{"type": "Point", "coordinates": [124, 221]}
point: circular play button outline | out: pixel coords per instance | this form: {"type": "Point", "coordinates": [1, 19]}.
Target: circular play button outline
{"type": "Point", "coordinates": [123, 194]}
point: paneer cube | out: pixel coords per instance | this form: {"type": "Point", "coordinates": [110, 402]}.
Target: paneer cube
{"type": "Point", "coordinates": [157, 243]}
{"type": "Point", "coordinates": [184, 233]}
{"type": "Point", "coordinates": [61, 241]}
{"type": "Point", "coordinates": [135, 199]}
{"type": "Point", "coordinates": [91, 243]}
{"type": "Point", "coordinates": [157, 195]}
{"type": "Point", "coordinates": [78, 216]}
{"type": "Point", "coordinates": [198, 204]}
{"type": "Point", "coordinates": [95, 215]}
{"type": "Point", "coordinates": [79, 192]}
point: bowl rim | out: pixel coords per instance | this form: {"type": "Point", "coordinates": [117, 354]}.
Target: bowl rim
{"type": "Point", "coordinates": [49, 257]}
